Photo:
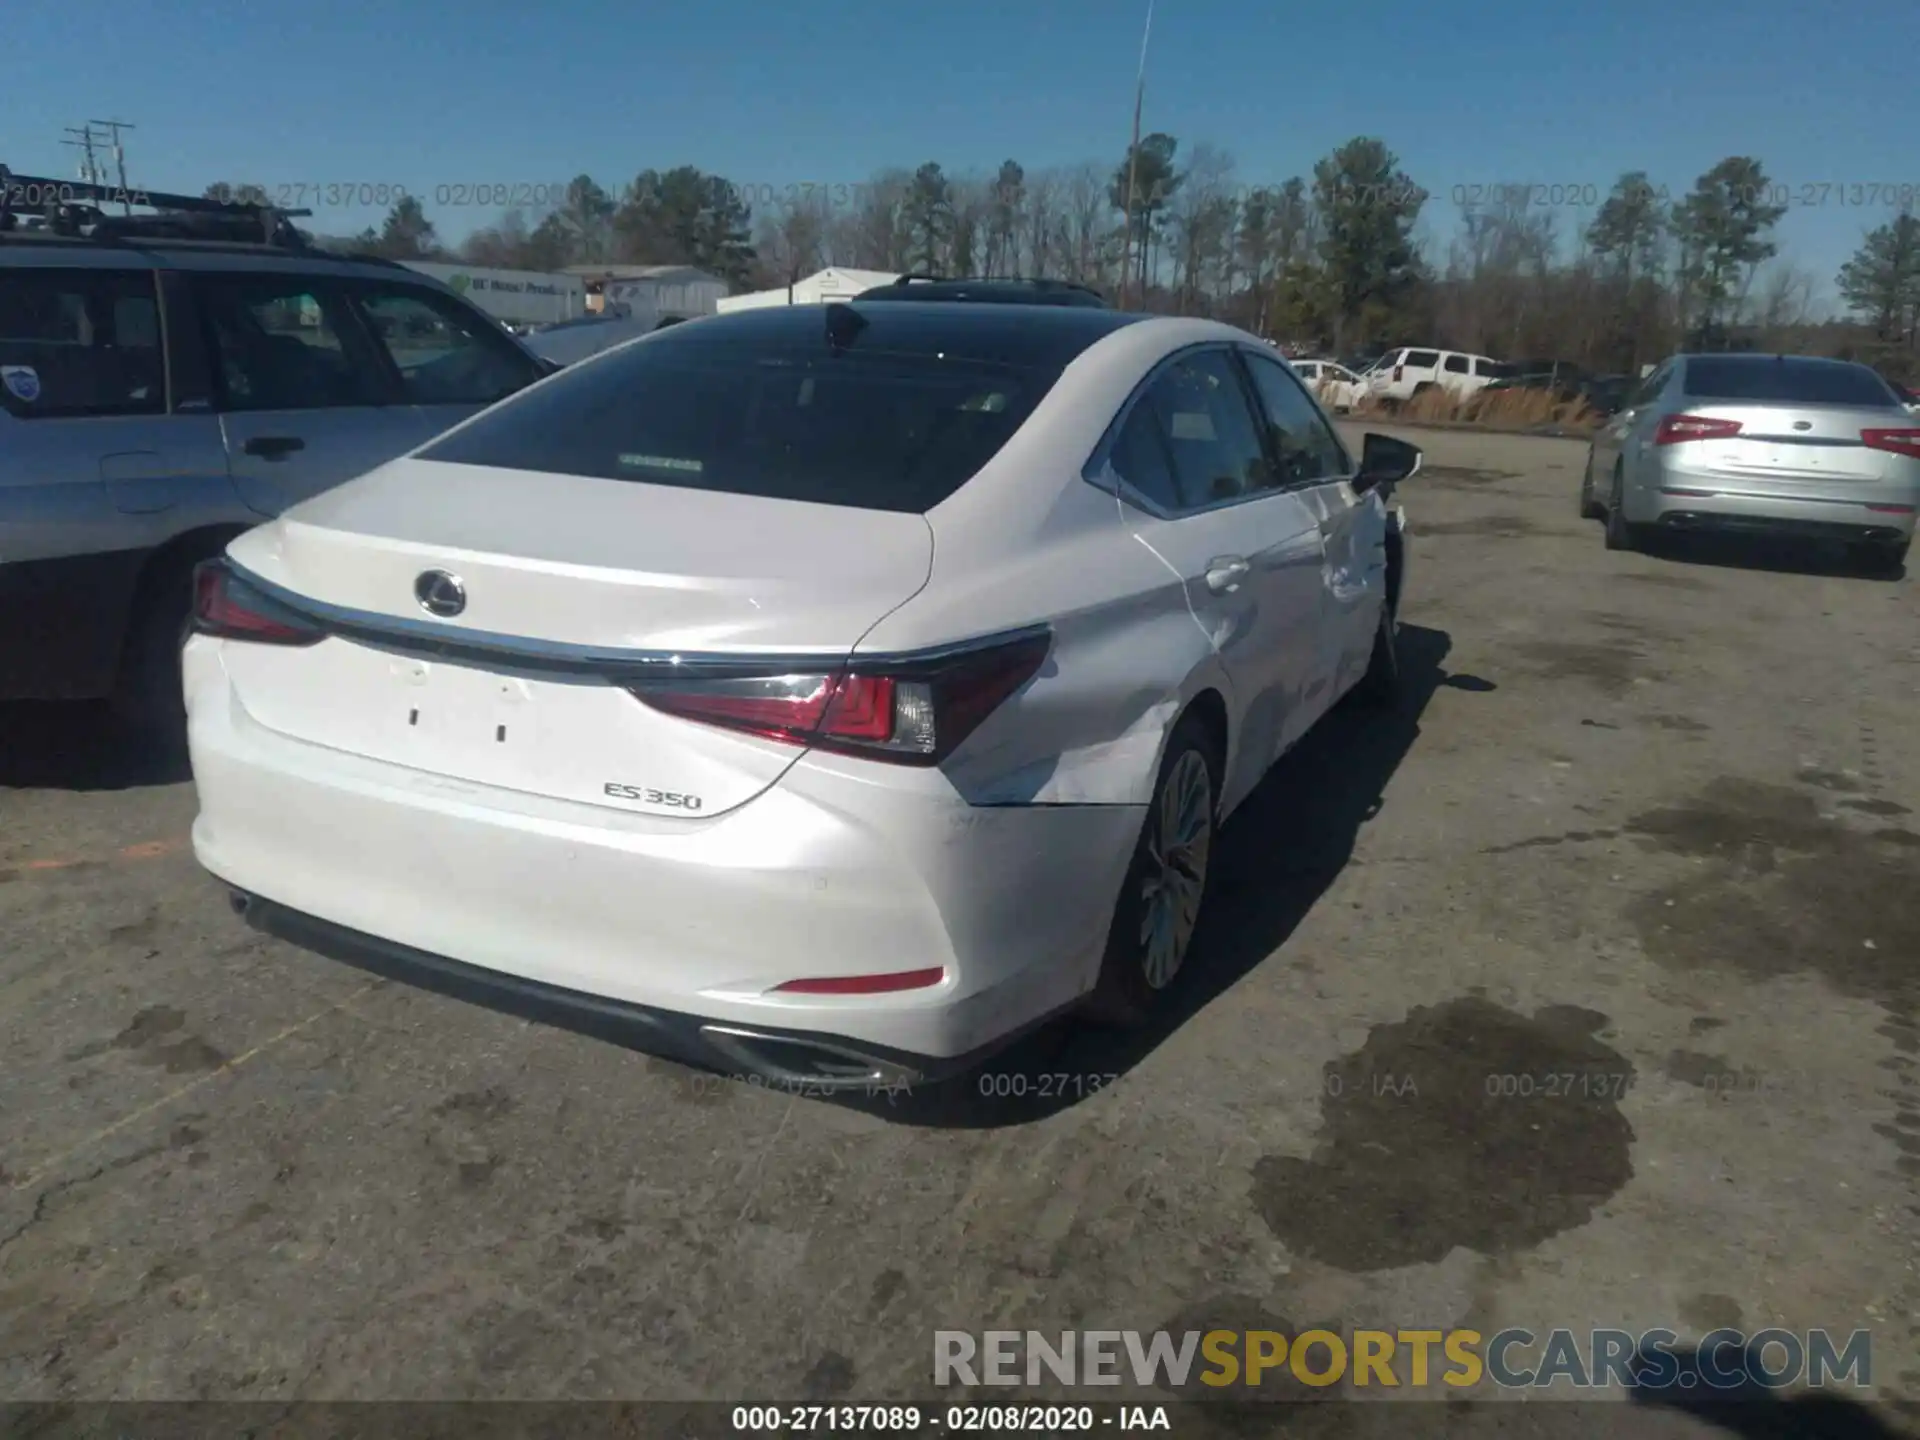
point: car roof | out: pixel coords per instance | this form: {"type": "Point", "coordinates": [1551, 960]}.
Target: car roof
{"type": "Point", "coordinates": [1031, 335]}
{"type": "Point", "coordinates": [35, 250]}
{"type": "Point", "coordinates": [1756, 358]}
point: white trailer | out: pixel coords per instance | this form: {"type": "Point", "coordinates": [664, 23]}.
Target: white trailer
{"type": "Point", "coordinates": [517, 297]}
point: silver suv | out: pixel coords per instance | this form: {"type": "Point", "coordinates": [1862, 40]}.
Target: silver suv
{"type": "Point", "coordinates": [160, 393]}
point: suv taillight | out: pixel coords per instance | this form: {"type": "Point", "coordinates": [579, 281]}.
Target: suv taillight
{"type": "Point", "coordinates": [1398, 370]}
{"type": "Point", "coordinates": [915, 712]}
{"type": "Point", "coordinates": [1676, 429]}
{"type": "Point", "coordinates": [1897, 442]}
{"type": "Point", "coordinates": [226, 606]}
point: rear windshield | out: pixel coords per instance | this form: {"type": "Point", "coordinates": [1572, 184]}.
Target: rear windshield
{"type": "Point", "coordinates": [1501, 370]}
{"type": "Point", "coordinates": [1804, 382]}
{"type": "Point", "coordinates": [875, 431]}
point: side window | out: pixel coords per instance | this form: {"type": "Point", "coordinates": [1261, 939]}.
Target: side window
{"type": "Point", "coordinates": [446, 355]}
{"type": "Point", "coordinates": [80, 342]}
{"type": "Point", "coordinates": [1457, 364]}
{"type": "Point", "coordinates": [282, 342]}
{"type": "Point", "coordinates": [1140, 457]}
{"type": "Point", "coordinates": [1306, 447]}
{"type": "Point", "coordinates": [1210, 431]}
{"type": "Point", "coordinates": [1421, 359]}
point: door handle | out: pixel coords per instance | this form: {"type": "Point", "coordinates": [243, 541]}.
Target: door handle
{"type": "Point", "coordinates": [1225, 572]}
{"type": "Point", "coordinates": [274, 447]}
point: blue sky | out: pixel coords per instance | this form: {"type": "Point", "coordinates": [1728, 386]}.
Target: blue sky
{"type": "Point", "coordinates": [428, 94]}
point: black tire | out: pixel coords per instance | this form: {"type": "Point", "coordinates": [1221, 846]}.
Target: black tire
{"type": "Point", "coordinates": [1590, 508]}
{"type": "Point", "coordinates": [1620, 534]}
{"type": "Point", "coordinates": [147, 695]}
{"type": "Point", "coordinates": [1134, 982]}
{"type": "Point", "coordinates": [1383, 686]}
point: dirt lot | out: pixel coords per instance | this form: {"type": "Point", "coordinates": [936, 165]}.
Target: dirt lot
{"type": "Point", "coordinates": [1652, 826]}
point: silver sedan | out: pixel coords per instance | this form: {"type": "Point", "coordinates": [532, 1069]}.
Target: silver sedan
{"type": "Point", "coordinates": [1774, 444]}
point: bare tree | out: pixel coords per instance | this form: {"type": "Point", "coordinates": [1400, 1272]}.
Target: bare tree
{"type": "Point", "coordinates": [1200, 220]}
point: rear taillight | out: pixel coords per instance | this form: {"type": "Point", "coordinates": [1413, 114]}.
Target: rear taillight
{"type": "Point", "coordinates": [915, 712]}
{"type": "Point", "coordinates": [1398, 371]}
{"type": "Point", "coordinates": [226, 606]}
{"type": "Point", "coordinates": [1898, 442]}
{"type": "Point", "coordinates": [1677, 429]}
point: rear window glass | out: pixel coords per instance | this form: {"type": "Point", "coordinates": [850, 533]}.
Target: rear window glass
{"type": "Point", "coordinates": [1795, 381]}
{"type": "Point", "coordinates": [1421, 359]}
{"type": "Point", "coordinates": [1501, 370]}
{"type": "Point", "coordinates": [880, 431]}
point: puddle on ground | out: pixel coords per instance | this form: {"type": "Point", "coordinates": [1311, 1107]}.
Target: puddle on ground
{"type": "Point", "coordinates": [1793, 891]}
{"type": "Point", "coordinates": [1466, 1124]}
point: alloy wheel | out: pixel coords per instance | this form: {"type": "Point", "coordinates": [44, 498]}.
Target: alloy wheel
{"type": "Point", "coordinates": [1179, 846]}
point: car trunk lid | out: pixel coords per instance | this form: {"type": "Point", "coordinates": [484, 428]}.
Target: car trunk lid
{"type": "Point", "coordinates": [1795, 447]}
{"type": "Point", "coordinates": [565, 580]}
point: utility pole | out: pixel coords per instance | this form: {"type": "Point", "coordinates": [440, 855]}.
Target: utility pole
{"type": "Point", "coordinates": [114, 127]}
{"type": "Point", "coordinates": [89, 170]}
{"type": "Point", "coordinates": [1133, 164]}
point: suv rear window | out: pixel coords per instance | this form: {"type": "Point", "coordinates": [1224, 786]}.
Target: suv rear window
{"type": "Point", "coordinates": [1802, 382]}
{"type": "Point", "coordinates": [879, 431]}
{"type": "Point", "coordinates": [1421, 359]}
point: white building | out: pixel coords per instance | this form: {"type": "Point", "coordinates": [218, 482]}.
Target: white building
{"type": "Point", "coordinates": [833, 283]}
{"type": "Point", "coordinates": [666, 290]}
{"type": "Point", "coordinates": [518, 297]}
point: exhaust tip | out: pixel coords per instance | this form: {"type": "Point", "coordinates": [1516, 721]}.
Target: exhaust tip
{"type": "Point", "coordinates": [239, 902]}
{"type": "Point", "coordinates": [786, 1060]}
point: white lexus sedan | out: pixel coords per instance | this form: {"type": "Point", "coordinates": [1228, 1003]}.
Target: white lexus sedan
{"type": "Point", "coordinates": [826, 694]}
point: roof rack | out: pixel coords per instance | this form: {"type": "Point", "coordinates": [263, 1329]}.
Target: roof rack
{"type": "Point", "coordinates": [64, 208]}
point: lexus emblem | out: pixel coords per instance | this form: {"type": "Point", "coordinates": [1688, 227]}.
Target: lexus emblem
{"type": "Point", "coordinates": [1803, 424]}
{"type": "Point", "coordinates": [440, 593]}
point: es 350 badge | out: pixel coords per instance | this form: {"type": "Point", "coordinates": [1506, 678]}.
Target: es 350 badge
{"type": "Point", "coordinates": [21, 381]}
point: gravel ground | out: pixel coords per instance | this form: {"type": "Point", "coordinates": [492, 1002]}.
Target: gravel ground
{"type": "Point", "coordinates": [1651, 826]}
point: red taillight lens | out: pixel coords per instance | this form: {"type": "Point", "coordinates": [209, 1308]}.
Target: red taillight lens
{"type": "Point", "coordinates": [865, 984]}
{"type": "Point", "coordinates": [1398, 371]}
{"type": "Point", "coordinates": [912, 713]}
{"type": "Point", "coordinates": [1898, 442]}
{"type": "Point", "coordinates": [1677, 429]}
{"type": "Point", "coordinates": [227, 607]}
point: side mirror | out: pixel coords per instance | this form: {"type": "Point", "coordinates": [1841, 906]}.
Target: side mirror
{"type": "Point", "coordinates": [1384, 463]}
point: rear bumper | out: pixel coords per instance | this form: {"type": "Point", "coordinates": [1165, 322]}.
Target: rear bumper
{"type": "Point", "coordinates": [834, 871]}
{"type": "Point", "coordinates": [800, 1061]}
{"type": "Point", "coordinates": [1679, 499]}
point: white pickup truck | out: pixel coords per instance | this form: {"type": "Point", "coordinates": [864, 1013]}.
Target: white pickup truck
{"type": "Point", "coordinates": [1404, 373]}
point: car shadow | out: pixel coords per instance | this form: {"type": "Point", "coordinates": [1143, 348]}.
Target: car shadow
{"type": "Point", "coordinates": [1275, 859]}
{"type": "Point", "coordinates": [1750, 1410]}
{"type": "Point", "coordinates": [81, 745]}
{"type": "Point", "coordinates": [1772, 555]}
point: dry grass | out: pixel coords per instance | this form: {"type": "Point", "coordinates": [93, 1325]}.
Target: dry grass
{"type": "Point", "coordinates": [1497, 410]}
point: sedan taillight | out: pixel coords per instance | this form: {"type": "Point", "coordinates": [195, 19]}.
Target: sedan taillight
{"type": "Point", "coordinates": [1677, 429]}
{"type": "Point", "coordinates": [1897, 442]}
{"type": "Point", "coordinates": [915, 712]}
{"type": "Point", "coordinates": [225, 606]}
